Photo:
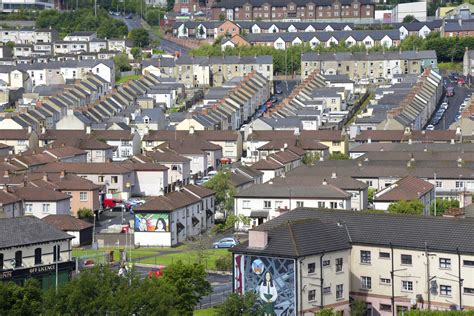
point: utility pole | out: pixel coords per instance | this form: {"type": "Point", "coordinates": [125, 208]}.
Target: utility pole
{"type": "Point", "coordinates": [56, 250]}
{"type": "Point", "coordinates": [435, 194]}
{"type": "Point", "coordinates": [95, 8]}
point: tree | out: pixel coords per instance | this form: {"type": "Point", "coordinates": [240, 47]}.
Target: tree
{"type": "Point", "coordinates": [121, 62]}
{"type": "Point", "coordinates": [190, 282]}
{"type": "Point", "coordinates": [201, 31]}
{"type": "Point", "coordinates": [358, 308]}
{"type": "Point", "coordinates": [221, 17]}
{"type": "Point", "coordinates": [85, 212]}
{"type": "Point", "coordinates": [442, 205]}
{"type": "Point", "coordinates": [224, 190]}
{"type": "Point", "coordinates": [409, 18]}
{"type": "Point", "coordinates": [338, 156]}
{"type": "Point", "coordinates": [170, 5]}
{"type": "Point", "coordinates": [310, 158]}
{"type": "Point", "coordinates": [224, 263]}
{"type": "Point", "coordinates": [21, 300]}
{"type": "Point", "coordinates": [140, 37]}
{"type": "Point", "coordinates": [154, 16]}
{"type": "Point", "coordinates": [413, 207]}
{"type": "Point", "coordinates": [240, 305]}
{"type": "Point", "coordinates": [370, 195]}
{"type": "Point", "coordinates": [136, 52]}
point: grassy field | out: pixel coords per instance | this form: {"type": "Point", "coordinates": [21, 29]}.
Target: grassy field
{"type": "Point", "coordinates": [136, 253]}
{"type": "Point", "coordinates": [454, 66]}
{"type": "Point", "coordinates": [127, 78]}
{"type": "Point", "coordinates": [188, 257]}
{"type": "Point", "coordinates": [205, 312]}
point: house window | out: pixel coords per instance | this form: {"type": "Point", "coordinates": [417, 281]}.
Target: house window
{"type": "Point", "coordinates": [365, 256]}
{"type": "Point", "coordinates": [406, 259]}
{"type": "Point", "coordinates": [339, 263]}
{"type": "Point", "coordinates": [459, 184]}
{"type": "Point", "coordinates": [311, 267]}
{"type": "Point", "coordinates": [386, 307]}
{"type": "Point", "coordinates": [333, 205]}
{"type": "Point", "coordinates": [28, 208]}
{"type": "Point", "coordinates": [321, 204]}
{"type": "Point", "coordinates": [246, 204]}
{"type": "Point", "coordinates": [326, 263]}
{"type": "Point", "coordinates": [114, 179]}
{"type": "Point", "coordinates": [445, 290]}
{"type": "Point", "coordinates": [469, 290]}
{"type": "Point", "coordinates": [468, 263]}
{"type": "Point", "coordinates": [83, 196]}
{"type": "Point", "coordinates": [366, 282]}
{"type": "Point", "coordinates": [1, 261]}
{"type": "Point", "coordinates": [327, 290]}
{"type": "Point", "coordinates": [299, 203]}
{"type": "Point", "coordinates": [56, 253]}
{"type": "Point", "coordinates": [101, 179]}
{"type": "Point", "coordinates": [385, 281]}
{"type": "Point", "coordinates": [384, 255]}
{"type": "Point", "coordinates": [38, 256]}
{"type": "Point", "coordinates": [18, 259]}
{"type": "Point", "coordinates": [445, 263]}
{"type": "Point", "coordinates": [439, 184]}
{"type": "Point", "coordinates": [339, 291]}
{"type": "Point", "coordinates": [267, 204]}
{"type": "Point", "coordinates": [311, 295]}
{"type": "Point", "coordinates": [407, 286]}
{"type": "Point", "coordinates": [45, 208]}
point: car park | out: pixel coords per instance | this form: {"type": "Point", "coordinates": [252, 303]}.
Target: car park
{"type": "Point", "coordinates": [227, 242]}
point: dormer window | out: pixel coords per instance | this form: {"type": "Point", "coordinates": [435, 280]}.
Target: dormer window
{"type": "Point", "coordinates": [146, 120]}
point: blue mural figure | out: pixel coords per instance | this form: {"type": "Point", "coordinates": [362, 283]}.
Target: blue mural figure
{"type": "Point", "coordinates": [268, 294]}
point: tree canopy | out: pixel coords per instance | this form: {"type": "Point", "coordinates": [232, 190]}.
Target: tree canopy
{"type": "Point", "coordinates": [240, 305]}
{"type": "Point", "coordinates": [100, 291]}
{"type": "Point", "coordinates": [442, 205]}
{"type": "Point", "coordinates": [82, 20]}
{"type": "Point", "coordinates": [224, 189]}
{"type": "Point", "coordinates": [413, 207]}
{"type": "Point", "coordinates": [140, 37]}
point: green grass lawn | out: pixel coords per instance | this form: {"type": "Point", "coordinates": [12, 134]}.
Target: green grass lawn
{"type": "Point", "coordinates": [205, 312]}
{"type": "Point", "coordinates": [136, 253]}
{"type": "Point", "coordinates": [127, 78]}
{"type": "Point", "coordinates": [188, 257]}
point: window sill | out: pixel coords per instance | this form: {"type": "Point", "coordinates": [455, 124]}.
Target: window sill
{"type": "Point", "coordinates": [447, 296]}
{"type": "Point", "coordinates": [445, 269]}
{"type": "Point", "coordinates": [340, 272]}
{"type": "Point", "coordinates": [365, 290]}
{"type": "Point", "coordinates": [406, 291]}
{"type": "Point", "coordinates": [340, 299]}
{"type": "Point", "coordinates": [366, 263]}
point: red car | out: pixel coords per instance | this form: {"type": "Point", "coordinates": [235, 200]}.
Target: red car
{"type": "Point", "coordinates": [461, 81]}
{"type": "Point", "coordinates": [156, 272]}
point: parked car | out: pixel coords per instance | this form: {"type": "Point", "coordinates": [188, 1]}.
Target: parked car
{"type": "Point", "coordinates": [449, 91]}
{"type": "Point", "coordinates": [227, 242]}
{"type": "Point", "coordinates": [278, 90]}
{"type": "Point", "coordinates": [467, 100]}
{"type": "Point", "coordinates": [156, 272]}
{"type": "Point", "coordinates": [444, 106]}
{"type": "Point", "coordinates": [430, 127]}
{"type": "Point", "coordinates": [111, 202]}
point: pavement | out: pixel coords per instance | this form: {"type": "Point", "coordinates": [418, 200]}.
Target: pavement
{"type": "Point", "coordinates": [460, 93]}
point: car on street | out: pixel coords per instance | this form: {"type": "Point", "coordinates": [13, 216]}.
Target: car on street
{"type": "Point", "coordinates": [278, 90]}
{"type": "Point", "coordinates": [227, 242]}
{"type": "Point", "coordinates": [449, 91]}
{"type": "Point", "coordinates": [202, 180]}
{"type": "Point", "coordinates": [430, 127]}
{"type": "Point", "coordinates": [156, 272]}
{"type": "Point", "coordinates": [444, 105]}
{"type": "Point", "coordinates": [458, 117]}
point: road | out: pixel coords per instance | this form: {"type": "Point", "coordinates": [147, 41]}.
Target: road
{"type": "Point", "coordinates": [286, 87]}
{"type": "Point", "coordinates": [460, 93]}
{"type": "Point", "coordinates": [165, 45]}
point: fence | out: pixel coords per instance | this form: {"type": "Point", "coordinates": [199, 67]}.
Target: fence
{"type": "Point", "coordinates": [354, 110]}
{"type": "Point", "coordinates": [213, 300]}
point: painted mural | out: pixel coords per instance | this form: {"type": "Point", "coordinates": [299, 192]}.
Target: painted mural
{"type": "Point", "coordinates": [271, 279]}
{"type": "Point", "coordinates": [154, 222]}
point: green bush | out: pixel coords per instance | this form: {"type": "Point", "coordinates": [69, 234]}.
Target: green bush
{"type": "Point", "coordinates": [85, 213]}
{"type": "Point", "coordinates": [224, 263]}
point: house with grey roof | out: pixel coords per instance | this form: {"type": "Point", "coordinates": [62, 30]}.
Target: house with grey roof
{"type": "Point", "coordinates": [322, 258]}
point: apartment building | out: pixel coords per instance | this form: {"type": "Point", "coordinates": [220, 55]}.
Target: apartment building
{"type": "Point", "coordinates": [312, 259]}
{"type": "Point", "coordinates": [362, 10]}
{"type": "Point", "coordinates": [369, 67]}
{"type": "Point", "coordinates": [40, 254]}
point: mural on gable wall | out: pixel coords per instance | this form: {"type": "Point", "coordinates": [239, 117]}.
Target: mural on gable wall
{"type": "Point", "coordinates": [271, 279]}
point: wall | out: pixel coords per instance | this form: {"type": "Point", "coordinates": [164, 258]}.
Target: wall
{"type": "Point", "coordinates": [150, 183]}
{"type": "Point", "coordinates": [56, 208]}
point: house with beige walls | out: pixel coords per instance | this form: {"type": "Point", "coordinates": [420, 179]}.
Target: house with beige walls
{"type": "Point", "coordinates": [311, 259]}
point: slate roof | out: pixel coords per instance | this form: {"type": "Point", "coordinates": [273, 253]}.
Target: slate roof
{"type": "Point", "coordinates": [267, 190]}
{"type": "Point", "coordinates": [408, 188]}
{"type": "Point", "coordinates": [230, 4]}
{"type": "Point", "coordinates": [27, 230]}
{"type": "Point", "coordinates": [66, 222]}
{"type": "Point", "coordinates": [169, 202]}
{"type": "Point", "coordinates": [323, 37]}
{"type": "Point", "coordinates": [301, 238]}
{"type": "Point", "coordinates": [408, 55]}
{"type": "Point", "coordinates": [410, 232]}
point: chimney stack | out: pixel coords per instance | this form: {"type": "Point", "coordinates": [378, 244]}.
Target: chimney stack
{"type": "Point", "coordinates": [62, 175]}
{"type": "Point", "coordinates": [325, 181]}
